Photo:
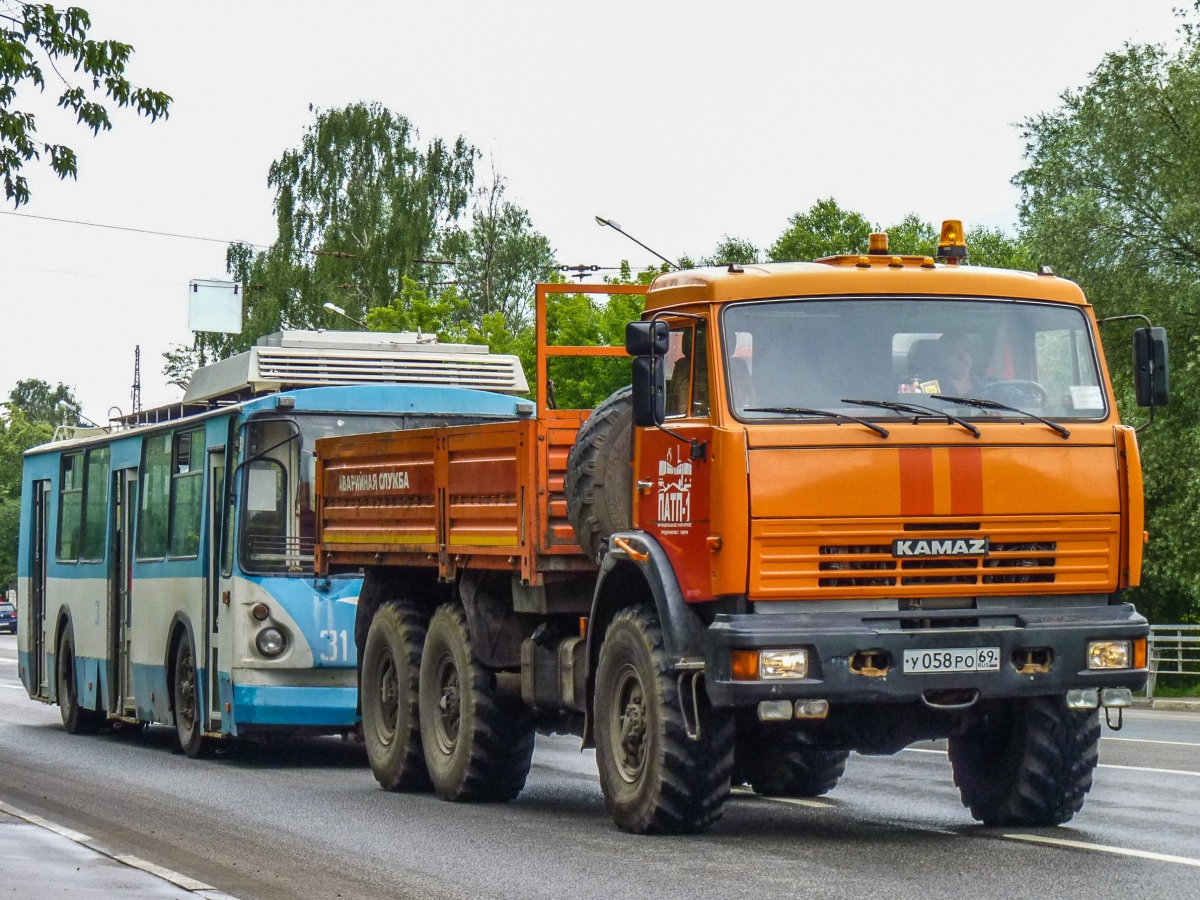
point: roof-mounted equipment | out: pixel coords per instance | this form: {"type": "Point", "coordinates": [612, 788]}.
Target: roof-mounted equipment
{"type": "Point", "coordinates": [952, 245]}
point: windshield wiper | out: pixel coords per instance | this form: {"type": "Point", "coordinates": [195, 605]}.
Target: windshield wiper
{"type": "Point", "coordinates": [916, 410]}
{"type": "Point", "coordinates": [823, 413]}
{"type": "Point", "coordinates": [995, 404]}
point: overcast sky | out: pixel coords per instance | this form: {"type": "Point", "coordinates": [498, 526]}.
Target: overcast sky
{"type": "Point", "coordinates": [684, 122]}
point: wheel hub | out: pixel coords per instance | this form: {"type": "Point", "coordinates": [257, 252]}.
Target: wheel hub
{"type": "Point", "coordinates": [187, 690]}
{"type": "Point", "coordinates": [389, 699]}
{"type": "Point", "coordinates": [449, 705]}
{"type": "Point", "coordinates": [629, 733]}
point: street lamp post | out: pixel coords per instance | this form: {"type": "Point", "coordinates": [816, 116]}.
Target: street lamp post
{"type": "Point", "coordinates": [603, 222]}
{"type": "Point", "coordinates": [333, 308]}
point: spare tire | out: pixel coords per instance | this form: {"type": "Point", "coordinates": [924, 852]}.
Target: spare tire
{"type": "Point", "coordinates": [599, 482]}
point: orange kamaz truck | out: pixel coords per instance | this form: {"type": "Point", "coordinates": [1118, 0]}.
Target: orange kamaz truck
{"type": "Point", "coordinates": [844, 505]}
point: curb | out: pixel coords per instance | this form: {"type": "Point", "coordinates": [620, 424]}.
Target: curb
{"type": "Point", "coordinates": [1175, 704]}
{"type": "Point", "coordinates": [191, 885]}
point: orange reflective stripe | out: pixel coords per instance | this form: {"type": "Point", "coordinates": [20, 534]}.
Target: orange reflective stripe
{"type": "Point", "coordinates": [916, 481]}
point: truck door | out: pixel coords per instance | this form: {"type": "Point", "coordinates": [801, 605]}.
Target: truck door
{"type": "Point", "coordinates": [672, 484]}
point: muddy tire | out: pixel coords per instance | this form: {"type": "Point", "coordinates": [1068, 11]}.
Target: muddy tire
{"type": "Point", "coordinates": [478, 745]}
{"type": "Point", "coordinates": [656, 780]}
{"type": "Point", "coordinates": [778, 762]}
{"type": "Point", "coordinates": [598, 484]}
{"type": "Point", "coordinates": [1028, 763]}
{"type": "Point", "coordinates": [75, 720]}
{"type": "Point", "coordinates": [391, 672]}
{"type": "Point", "coordinates": [189, 727]}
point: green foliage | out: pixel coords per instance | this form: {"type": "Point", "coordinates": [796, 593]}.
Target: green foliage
{"type": "Point", "coordinates": [500, 258]}
{"type": "Point", "coordinates": [913, 236]}
{"type": "Point", "coordinates": [364, 214]}
{"type": "Point", "coordinates": [38, 402]}
{"type": "Point", "coordinates": [33, 36]}
{"type": "Point", "coordinates": [824, 230]}
{"type": "Point", "coordinates": [1110, 199]}
{"type": "Point", "coordinates": [20, 429]}
{"type": "Point", "coordinates": [732, 250]}
{"type": "Point", "coordinates": [359, 207]}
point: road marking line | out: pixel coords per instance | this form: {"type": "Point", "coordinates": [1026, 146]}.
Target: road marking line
{"type": "Point", "coordinates": [1098, 765]}
{"type": "Point", "coordinates": [1147, 769]}
{"type": "Point", "coordinates": [795, 801]}
{"type": "Point", "coordinates": [1103, 848]}
{"type": "Point", "coordinates": [13, 687]}
{"type": "Point", "coordinates": [199, 888]}
{"type": "Point", "coordinates": [1144, 741]}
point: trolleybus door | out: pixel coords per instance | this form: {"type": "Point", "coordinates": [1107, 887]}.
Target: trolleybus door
{"type": "Point", "coordinates": [215, 584]}
{"type": "Point", "coordinates": [120, 593]}
{"type": "Point", "coordinates": [37, 590]}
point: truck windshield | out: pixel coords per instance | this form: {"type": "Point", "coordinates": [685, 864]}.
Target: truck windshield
{"type": "Point", "coordinates": [1038, 357]}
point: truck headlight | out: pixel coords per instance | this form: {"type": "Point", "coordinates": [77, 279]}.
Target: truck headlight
{"type": "Point", "coordinates": [1110, 655]}
{"type": "Point", "coordinates": [270, 642]}
{"type": "Point", "coordinates": [781, 665]}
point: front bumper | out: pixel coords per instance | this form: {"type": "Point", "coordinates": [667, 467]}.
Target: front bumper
{"type": "Point", "coordinates": [285, 705]}
{"type": "Point", "coordinates": [832, 639]}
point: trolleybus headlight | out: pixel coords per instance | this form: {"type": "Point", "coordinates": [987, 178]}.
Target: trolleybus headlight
{"type": "Point", "coordinates": [260, 611]}
{"type": "Point", "coordinates": [270, 642]}
{"type": "Point", "coordinates": [1109, 655]}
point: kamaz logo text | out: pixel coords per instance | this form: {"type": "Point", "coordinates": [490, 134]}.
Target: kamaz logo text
{"type": "Point", "coordinates": [949, 547]}
{"type": "Point", "coordinates": [373, 481]}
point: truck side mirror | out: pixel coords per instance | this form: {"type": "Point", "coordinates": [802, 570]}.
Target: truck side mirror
{"type": "Point", "coordinates": [647, 338]}
{"type": "Point", "coordinates": [1150, 372]}
{"type": "Point", "coordinates": [649, 390]}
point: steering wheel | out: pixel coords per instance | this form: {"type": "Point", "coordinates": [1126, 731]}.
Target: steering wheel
{"type": "Point", "coordinates": [1015, 393]}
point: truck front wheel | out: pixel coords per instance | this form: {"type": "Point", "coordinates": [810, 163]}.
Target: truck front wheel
{"type": "Point", "coordinates": [391, 725]}
{"type": "Point", "coordinates": [1027, 762]}
{"type": "Point", "coordinates": [478, 745]}
{"type": "Point", "coordinates": [656, 779]}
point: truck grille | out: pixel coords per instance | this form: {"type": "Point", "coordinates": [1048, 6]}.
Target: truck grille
{"type": "Point", "coordinates": [797, 559]}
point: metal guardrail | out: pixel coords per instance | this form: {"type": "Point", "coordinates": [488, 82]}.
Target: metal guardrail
{"type": "Point", "coordinates": [1174, 650]}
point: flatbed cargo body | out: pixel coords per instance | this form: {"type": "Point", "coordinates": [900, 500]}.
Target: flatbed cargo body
{"type": "Point", "coordinates": [453, 498]}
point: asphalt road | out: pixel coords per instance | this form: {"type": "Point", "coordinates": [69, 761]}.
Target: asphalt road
{"type": "Point", "coordinates": [307, 820]}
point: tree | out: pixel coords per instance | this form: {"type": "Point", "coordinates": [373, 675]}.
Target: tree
{"type": "Point", "coordinates": [18, 432]}
{"type": "Point", "coordinates": [40, 403]}
{"type": "Point", "coordinates": [500, 258]}
{"type": "Point", "coordinates": [34, 36]}
{"type": "Point", "coordinates": [1109, 199]}
{"type": "Point", "coordinates": [732, 250]}
{"type": "Point", "coordinates": [359, 207]}
{"type": "Point", "coordinates": [824, 230]}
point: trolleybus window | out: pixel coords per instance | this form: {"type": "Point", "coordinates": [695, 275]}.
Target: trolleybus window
{"type": "Point", "coordinates": [95, 515]}
{"type": "Point", "coordinates": [155, 493]}
{"type": "Point", "coordinates": [270, 536]}
{"type": "Point", "coordinates": [70, 507]}
{"type": "Point", "coordinates": [187, 493]}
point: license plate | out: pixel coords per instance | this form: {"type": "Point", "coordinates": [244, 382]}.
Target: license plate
{"type": "Point", "coordinates": [954, 659]}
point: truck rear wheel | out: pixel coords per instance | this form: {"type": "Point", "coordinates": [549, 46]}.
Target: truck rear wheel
{"type": "Point", "coordinates": [478, 745]}
{"type": "Point", "coordinates": [1028, 763]}
{"type": "Point", "coordinates": [598, 484]}
{"type": "Point", "coordinates": [656, 779]}
{"type": "Point", "coordinates": [390, 673]}
{"type": "Point", "coordinates": [778, 762]}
